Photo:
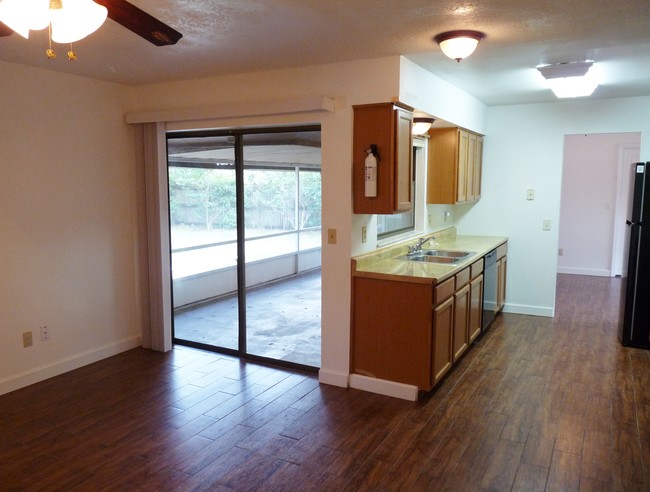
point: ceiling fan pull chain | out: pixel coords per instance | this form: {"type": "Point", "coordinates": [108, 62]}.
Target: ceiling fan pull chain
{"type": "Point", "coordinates": [51, 54]}
{"type": "Point", "coordinates": [72, 56]}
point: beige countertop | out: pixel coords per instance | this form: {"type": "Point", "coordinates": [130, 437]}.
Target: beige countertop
{"type": "Point", "coordinates": [382, 263]}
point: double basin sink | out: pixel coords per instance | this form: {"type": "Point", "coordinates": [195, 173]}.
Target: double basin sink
{"type": "Point", "coordinates": [437, 256]}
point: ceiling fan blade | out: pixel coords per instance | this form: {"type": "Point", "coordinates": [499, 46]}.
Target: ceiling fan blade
{"type": "Point", "coordinates": [5, 30]}
{"type": "Point", "coordinates": [141, 23]}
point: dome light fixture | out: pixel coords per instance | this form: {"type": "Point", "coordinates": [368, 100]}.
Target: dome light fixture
{"type": "Point", "coordinates": [421, 124]}
{"type": "Point", "coordinates": [459, 44]}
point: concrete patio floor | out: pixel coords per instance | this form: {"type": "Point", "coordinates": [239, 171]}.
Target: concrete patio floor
{"type": "Point", "coordinates": [283, 320]}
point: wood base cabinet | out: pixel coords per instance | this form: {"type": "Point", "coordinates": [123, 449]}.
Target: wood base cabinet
{"type": "Point", "coordinates": [461, 321]}
{"type": "Point", "coordinates": [412, 332]}
{"type": "Point", "coordinates": [476, 308]}
{"type": "Point", "coordinates": [502, 265]}
{"type": "Point", "coordinates": [443, 325]}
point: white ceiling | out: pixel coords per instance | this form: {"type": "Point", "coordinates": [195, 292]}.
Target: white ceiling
{"type": "Point", "coordinates": [234, 36]}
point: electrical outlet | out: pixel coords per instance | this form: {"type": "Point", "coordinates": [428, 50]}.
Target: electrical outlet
{"type": "Point", "coordinates": [429, 219]}
{"type": "Point", "coordinates": [546, 225]}
{"type": "Point", "coordinates": [530, 194]}
{"type": "Point", "coordinates": [331, 236]}
{"type": "Point", "coordinates": [28, 341]}
{"type": "Point", "coordinates": [45, 333]}
{"type": "Point", "coordinates": [364, 234]}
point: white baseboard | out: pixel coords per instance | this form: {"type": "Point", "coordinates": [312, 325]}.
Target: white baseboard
{"type": "Point", "coordinates": [76, 361]}
{"type": "Point", "coordinates": [335, 378]}
{"type": "Point", "coordinates": [384, 387]}
{"type": "Point", "coordinates": [546, 311]}
{"type": "Point", "coordinates": [592, 272]}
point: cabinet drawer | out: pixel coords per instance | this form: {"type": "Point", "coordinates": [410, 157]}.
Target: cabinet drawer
{"type": "Point", "coordinates": [462, 278]}
{"type": "Point", "coordinates": [502, 250]}
{"type": "Point", "coordinates": [477, 268]}
{"type": "Point", "coordinates": [443, 291]}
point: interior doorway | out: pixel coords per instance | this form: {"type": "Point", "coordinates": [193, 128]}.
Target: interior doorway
{"type": "Point", "coordinates": [245, 231]}
{"type": "Point", "coordinates": [595, 184]}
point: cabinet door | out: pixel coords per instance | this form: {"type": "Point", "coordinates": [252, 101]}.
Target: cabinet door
{"type": "Point", "coordinates": [443, 319]}
{"type": "Point", "coordinates": [391, 330]}
{"type": "Point", "coordinates": [478, 167]}
{"type": "Point", "coordinates": [460, 339]}
{"type": "Point", "coordinates": [404, 164]}
{"type": "Point", "coordinates": [389, 127]}
{"type": "Point", "coordinates": [471, 169]}
{"type": "Point", "coordinates": [501, 283]}
{"type": "Point", "coordinates": [475, 307]}
{"type": "Point", "coordinates": [463, 155]}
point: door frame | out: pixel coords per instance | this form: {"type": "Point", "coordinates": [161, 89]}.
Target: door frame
{"type": "Point", "coordinates": [239, 133]}
{"type": "Point", "coordinates": [627, 155]}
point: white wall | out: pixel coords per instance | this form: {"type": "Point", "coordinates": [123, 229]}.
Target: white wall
{"type": "Point", "coordinates": [523, 149]}
{"type": "Point", "coordinates": [588, 204]}
{"type": "Point", "coordinates": [67, 223]}
{"type": "Point", "coordinates": [427, 92]}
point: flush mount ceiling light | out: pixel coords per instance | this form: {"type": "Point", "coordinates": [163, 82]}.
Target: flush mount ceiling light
{"type": "Point", "coordinates": [458, 44]}
{"type": "Point", "coordinates": [421, 124]}
{"type": "Point", "coordinates": [572, 79]}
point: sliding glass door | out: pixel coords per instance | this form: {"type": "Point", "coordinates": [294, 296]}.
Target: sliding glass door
{"type": "Point", "coordinates": [245, 209]}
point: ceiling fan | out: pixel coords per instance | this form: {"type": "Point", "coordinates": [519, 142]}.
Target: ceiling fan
{"type": "Point", "coordinates": [134, 19]}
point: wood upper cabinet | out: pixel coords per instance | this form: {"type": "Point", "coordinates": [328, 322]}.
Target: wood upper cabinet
{"type": "Point", "coordinates": [389, 127]}
{"type": "Point", "coordinates": [454, 170]}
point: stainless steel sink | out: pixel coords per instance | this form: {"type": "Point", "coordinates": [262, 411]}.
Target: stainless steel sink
{"type": "Point", "coordinates": [437, 256]}
{"type": "Point", "coordinates": [431, 258]}
{"type": "Point", "coordinates": [441, 252]}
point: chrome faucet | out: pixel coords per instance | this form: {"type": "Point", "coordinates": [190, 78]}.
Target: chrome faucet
{"type": "Point", "coordinates": [416, 249]}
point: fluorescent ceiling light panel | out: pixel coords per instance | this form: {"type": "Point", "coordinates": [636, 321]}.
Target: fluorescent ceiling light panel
{"type": "Point", "coordinates": [572, 79]}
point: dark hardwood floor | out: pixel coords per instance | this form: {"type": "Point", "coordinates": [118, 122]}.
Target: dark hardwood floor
{"type": "Point", "coordinates": [537, 404]}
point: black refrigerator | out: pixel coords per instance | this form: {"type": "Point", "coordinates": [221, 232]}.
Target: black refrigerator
{"type": "Point", "coordinates": [635, 326]}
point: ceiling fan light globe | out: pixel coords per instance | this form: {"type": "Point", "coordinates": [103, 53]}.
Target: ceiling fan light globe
{"type": "Point", "coordinates": [25, 15]}
{"type": "Point", "coordinates": [76, 19]}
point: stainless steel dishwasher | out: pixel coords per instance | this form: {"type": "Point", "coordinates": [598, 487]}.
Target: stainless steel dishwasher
{"type": "Point", "coordinates": [490, 281]}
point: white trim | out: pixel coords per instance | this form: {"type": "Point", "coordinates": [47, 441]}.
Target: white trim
{"type": "Point", "coordinates": [41, 373]}
{"type": "Point", "coordinates": [627, 155]}
{"type": "Point", "coordinates": [334, 378]}
{"type": "Point", "coordinates": [593, 272]}
{"type": "Point", "coordinates": [548, 312]}
{"type": "Point", "coordinates": [247, 109]}
{"type": "Point", "coordinates": [384, 387]}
